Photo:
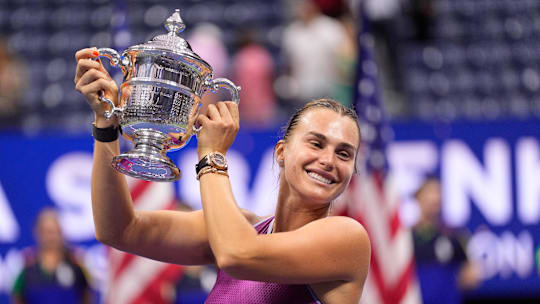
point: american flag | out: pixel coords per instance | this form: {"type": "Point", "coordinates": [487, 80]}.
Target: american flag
{"type": "Point", "coordinates": [133, 279]}
{"type": "Point", "coordinates": [372, 198]}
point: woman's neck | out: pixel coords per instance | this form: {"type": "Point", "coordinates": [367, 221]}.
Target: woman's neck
{"type": "Point", "coordinates": [293, 212]}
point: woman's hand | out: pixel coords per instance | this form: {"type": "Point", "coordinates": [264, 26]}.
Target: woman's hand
{"type": "Point", "coordinates": [90, 78]}
{"type": "Point", "coordinates": [219, 127]}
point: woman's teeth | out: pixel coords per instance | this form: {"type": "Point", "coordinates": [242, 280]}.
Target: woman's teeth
{"type": "Point", "coordinates": [319, 178]}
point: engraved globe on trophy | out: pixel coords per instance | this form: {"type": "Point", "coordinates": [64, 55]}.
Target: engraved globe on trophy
{"type": "Point", "coordinates": [159, 100]}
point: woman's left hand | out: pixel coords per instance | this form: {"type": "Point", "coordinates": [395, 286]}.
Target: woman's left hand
{"type": "Point", "coordinates": [219, 127]}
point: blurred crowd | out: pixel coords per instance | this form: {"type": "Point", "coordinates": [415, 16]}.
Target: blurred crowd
{"type": "Point", "coordinates": [282, 53]}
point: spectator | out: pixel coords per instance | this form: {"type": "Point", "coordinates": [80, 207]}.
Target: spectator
{"type": "Point", "coordinates": [206, 40]}
{"type": "Point", "coordinates": [12, 85]}
{"type": "Point", "coordinates": [441, 262]}
{"type": "Point", "coordinates": [254, 71]}
{"type": "Point", "coordinates": [311, 45]}
{"type": "Point", "coordinates": [51, 273]}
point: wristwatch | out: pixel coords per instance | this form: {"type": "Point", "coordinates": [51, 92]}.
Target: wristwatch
{"type": "Point", "coordinates": [214, 159]}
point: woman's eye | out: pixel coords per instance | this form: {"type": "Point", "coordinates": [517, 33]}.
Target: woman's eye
{"type": "Point", "coordinates": [344, 155]}
{"type": "Point", "coordinates": [316, 144]}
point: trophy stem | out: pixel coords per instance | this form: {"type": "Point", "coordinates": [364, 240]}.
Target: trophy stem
{"type": "Point", "coordinates": [147, 160]}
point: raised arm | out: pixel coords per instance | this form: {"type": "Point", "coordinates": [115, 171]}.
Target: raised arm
{"type": "Point", "coordinates": [170, 236]}
{"type": "Point", "coordinates": [329, 249]}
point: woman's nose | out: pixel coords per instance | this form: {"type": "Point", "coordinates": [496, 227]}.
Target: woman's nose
{"type": "Point", "coordinates": [326, 159]}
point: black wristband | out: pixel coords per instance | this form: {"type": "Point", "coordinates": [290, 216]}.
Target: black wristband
{"type": "Point", "coordinates": [108, 134]}
{"type": "Point", "coordinates": [202, 164]}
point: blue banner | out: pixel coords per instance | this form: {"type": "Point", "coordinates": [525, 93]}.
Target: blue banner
{"type": "Point", "coordinates": [489, 172]}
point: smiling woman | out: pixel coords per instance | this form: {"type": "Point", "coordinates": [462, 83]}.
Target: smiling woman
{"type": "Point", "coordinates": [322, 139]}
{"type": "Point", "coordinates": [298, 255]}
{"type": "Point", "coordinates": [317, 159]}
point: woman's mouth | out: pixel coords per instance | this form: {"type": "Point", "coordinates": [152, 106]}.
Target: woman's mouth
{"type": "Point", "coordinates": [319, 178]}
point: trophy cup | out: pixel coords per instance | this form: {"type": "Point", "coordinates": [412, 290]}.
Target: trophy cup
{"type": "Point", "coordinates": [159, 100]}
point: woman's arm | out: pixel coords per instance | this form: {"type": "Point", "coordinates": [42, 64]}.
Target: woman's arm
{"type": "Point", "coordinates": [330, 249]}
{"type": "Point", "coordinates": [170, 236]}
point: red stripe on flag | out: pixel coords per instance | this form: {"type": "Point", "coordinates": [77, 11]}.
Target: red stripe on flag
{"type": "Point", "coordinates": [391, 294]}
{"type": "Point", "coordinates": [124, 263]}
{"type": "Point", "coordinates": [395, 224]}
{"type": "Point", "coordinates": [154, 290]}
{"type": "Point", "coordinates": [378, 178]}
{"type": "Point", "coordinates": [138, 189]}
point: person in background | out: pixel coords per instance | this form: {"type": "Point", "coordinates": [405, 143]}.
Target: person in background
{"type": "Point", "coordinates": [13, 81]}
{"type": "Point", "coordinates": [51, 273]}
{"type": "Point", "coordinates": [206, 40]}
{"type": "Point", "coordinates": [442, 266]}
{"type": "Point", "coordinates": [253, 69]}
{"type": "Point", "coordinates": [312, 45]}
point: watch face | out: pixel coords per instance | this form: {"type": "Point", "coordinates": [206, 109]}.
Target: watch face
{"type": "Point", "coordinates": [219, 160]}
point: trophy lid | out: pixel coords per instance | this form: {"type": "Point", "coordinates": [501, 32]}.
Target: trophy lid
{"type": "Point", "coordinates": [171, 42]}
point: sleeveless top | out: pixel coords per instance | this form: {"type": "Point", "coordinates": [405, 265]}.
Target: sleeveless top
{"type": "Point", "coordinates": [228, 290]}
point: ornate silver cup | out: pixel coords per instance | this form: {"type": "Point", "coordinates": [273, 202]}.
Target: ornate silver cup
{"type": "Point", "coordinates": [159, 100]}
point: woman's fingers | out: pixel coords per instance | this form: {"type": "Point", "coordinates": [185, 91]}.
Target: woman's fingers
{"type": "Point", "coordinates": [86, 60]}
{"type": "Point", "coordinates": [96, 86]}
{"type": "Point", "coordinates": [212, 112]}
{"type": "Point", "coordinates": [233, 109]}
{"type": "Point", "coordinates": [84, 65]}
{"type": "Point", "coordinates": [202, 120]}
{"type": "Point", "coordinates": [90, 76]}
{"type": "Point", "coordinates": [86, 53]}
{"type": "Point", "coordinates": [224, 112]}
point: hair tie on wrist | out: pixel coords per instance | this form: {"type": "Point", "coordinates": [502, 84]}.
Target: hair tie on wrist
{"type": "Point", "coordinates": [108, 134]}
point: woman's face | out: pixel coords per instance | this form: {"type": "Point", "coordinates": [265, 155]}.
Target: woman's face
{"type": "Point", "coordinates": [319, 156]}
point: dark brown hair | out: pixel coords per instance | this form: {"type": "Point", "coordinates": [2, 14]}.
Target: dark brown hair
{"type": "Point", "coordinates": [324, 103]}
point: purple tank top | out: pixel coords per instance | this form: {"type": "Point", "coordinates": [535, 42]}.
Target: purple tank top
{"type": "Point", "coordinates": [228, 290]}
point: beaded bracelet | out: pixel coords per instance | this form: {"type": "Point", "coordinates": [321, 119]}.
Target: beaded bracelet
{"type": "Point", "coordinates": [211, 170]}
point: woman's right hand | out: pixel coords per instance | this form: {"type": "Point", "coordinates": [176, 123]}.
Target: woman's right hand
{"type": "Point", "coordinates": [90, 78]}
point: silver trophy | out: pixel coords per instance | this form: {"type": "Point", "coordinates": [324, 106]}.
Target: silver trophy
{"type": "Point", "coordinates": [159, 100]}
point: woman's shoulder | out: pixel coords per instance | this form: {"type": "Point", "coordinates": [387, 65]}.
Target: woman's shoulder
{"type": "Point", "coordinates": [252, 217]}
{"type": "Point", "coordinates": [343, 221]}
{"type": "Point", "coordinates": [345, 225]}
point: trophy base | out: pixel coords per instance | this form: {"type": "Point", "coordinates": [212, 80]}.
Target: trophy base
{"type": "Point", "coordinates": [147, 161]}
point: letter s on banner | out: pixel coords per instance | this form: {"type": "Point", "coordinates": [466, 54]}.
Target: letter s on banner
{"type": "Point", "coordinates": [68, 185]}
{"type": "Point", "coordinates": [9, 229]}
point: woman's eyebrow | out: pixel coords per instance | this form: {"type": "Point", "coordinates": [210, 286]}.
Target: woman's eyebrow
{"type": "Point", "coordinates": [318, 135]}
{"type": "Point", "coordinates": [323, 138]}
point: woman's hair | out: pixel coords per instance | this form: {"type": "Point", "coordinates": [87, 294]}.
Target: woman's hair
{"type": "Point", "coordinates": [324, 103]}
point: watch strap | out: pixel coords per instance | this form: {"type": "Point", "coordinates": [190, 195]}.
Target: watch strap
{"type": "Point", "coordinates": [214, 160]}
{"type": "Point", "coordinates": [202, 163]}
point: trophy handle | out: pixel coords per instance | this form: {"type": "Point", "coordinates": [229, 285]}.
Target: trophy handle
{"type": "Point", "coordinates": [116, 61]}
{"type": "Point", "coordinates": [114, 109]}
{"type": "Point", "coordinates": [217, 84]}
{"type": "Point", "coordinates": [225, 83]}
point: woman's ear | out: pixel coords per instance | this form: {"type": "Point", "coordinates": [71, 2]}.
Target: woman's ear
{"type": "Point", "coordinates": [278, 150]}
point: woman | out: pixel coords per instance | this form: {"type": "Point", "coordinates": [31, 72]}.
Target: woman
{"type": "Point", "coordinates": [301, 255]}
